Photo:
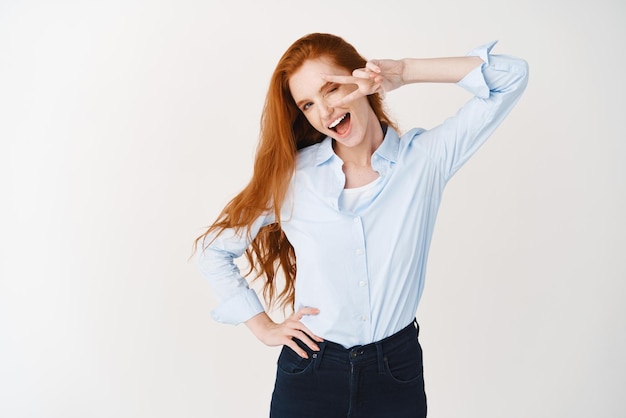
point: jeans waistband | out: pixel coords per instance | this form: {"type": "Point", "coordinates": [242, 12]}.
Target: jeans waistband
{"type": "Point", "coordinates": [373, 352]}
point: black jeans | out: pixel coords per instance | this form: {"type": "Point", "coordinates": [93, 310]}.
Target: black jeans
{"type": "Point", "coordinates": [379, 380]}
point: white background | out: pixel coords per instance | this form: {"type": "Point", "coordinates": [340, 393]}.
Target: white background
{"type": "Point", "coordinates": [125, 126]}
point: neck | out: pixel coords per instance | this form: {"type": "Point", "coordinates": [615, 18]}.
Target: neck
{"type": "Point", "coordinates": [361, 155]}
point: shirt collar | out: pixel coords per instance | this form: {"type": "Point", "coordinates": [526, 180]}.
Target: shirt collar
{"type": "Point", "coordinates": [390, 146]}
{"type": "Point", "coordinates": [324, 151]}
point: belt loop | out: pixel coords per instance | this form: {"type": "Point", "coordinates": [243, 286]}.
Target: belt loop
{"type": "Point", "coordinates": [381, 357]}
{"type": "Point", "coordinates": [317, 355]}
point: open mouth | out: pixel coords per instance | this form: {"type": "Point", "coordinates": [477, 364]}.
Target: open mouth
{"type": "Point", "coordinates": [341, 124]}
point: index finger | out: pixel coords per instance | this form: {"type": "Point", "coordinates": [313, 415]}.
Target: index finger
{"type": "Point", "coordinates": [347, 99]}
{"type": "Point", "coordinates": [341, 79]}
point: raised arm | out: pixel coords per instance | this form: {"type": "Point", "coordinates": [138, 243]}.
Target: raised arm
{"type": "Point", "coordinates": [497, 85]}
{"type": "Point", "coordinates": [437, 70]}
{"type": "Point", "coordinates": [382, 76]}
{"type": "Point", "coordinates": [496, 81]}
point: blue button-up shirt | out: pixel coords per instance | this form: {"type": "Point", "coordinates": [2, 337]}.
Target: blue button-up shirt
{"type": "Point", "coordinates": [365, 270]}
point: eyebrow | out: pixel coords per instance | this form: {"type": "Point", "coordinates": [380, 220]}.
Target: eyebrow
{"type": "Point", "coordinates": [322, 88]}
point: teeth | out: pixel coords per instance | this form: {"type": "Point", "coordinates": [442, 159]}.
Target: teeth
{"type": "Point", "coordinates": [337, 121]}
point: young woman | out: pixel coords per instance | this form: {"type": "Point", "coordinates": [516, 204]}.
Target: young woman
{"type": "Point", "coordinates": [344, 206]}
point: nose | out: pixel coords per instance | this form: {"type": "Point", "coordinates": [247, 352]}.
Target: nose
{"type": "Point", "coordinates": [326, 109]}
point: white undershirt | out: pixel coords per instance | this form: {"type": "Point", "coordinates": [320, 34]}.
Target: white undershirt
{"type": "Point", "coordinates": [357, 198]}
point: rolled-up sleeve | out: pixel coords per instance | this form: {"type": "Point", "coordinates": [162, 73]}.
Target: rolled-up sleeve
{"type": "Point", "coordinates": [215, 257]}
{"type": "Point", "coordinates": [497, 85]}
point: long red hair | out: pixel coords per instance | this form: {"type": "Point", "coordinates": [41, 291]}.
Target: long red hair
{"type": "Point", "coordinates": [284, 130]}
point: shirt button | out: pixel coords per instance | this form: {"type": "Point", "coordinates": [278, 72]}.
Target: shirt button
{"type": "Point", "coordinates": [359, 251]}
{"type": "Point", "coordinates": [356, 220]}
{"type": "Point", "coordinates": [362, 283]}
{"type": "Point", "coordinates": [363, 318]}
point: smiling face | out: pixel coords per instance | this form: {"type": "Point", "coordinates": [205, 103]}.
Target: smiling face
{"type": "Point", "coordinates": [352, 125]}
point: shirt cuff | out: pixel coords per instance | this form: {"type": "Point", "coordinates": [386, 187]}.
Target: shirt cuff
{"type": "Point", "coordinates": [474, 81]}
{"type": "Point", "coordinates": [238, 309]}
